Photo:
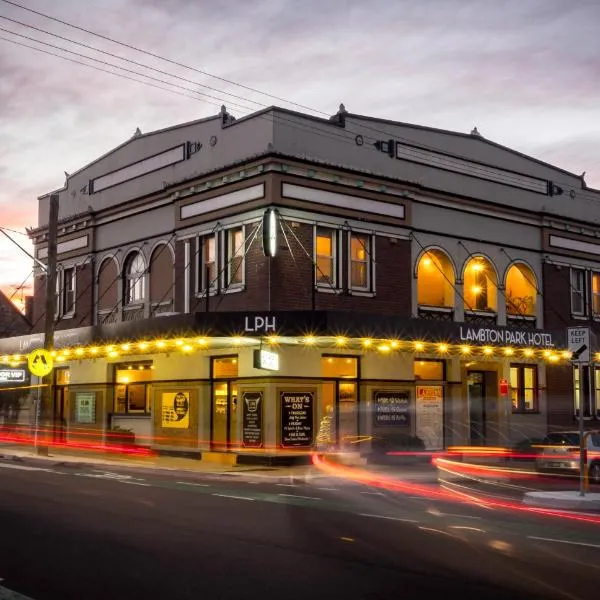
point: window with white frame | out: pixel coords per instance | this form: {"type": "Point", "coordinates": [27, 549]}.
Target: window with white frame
{"type": "Point", "coordinates": [581, 390]}
{"type": "Point", "coordinates": [134, 279]}
{"type": "Point", "coordinates": [578, 292]}
{"type": "Point", "coordinates": [523, 388]}
{"type": "Point", "coordinates": [360, 261]}
{"type": "Point", "coordinates": [65, 292]}
{"type": "Point", "coordinates": [234, 257]}
{"type": "Point", "coordinates": [325, 257]}
{"type": "Point", "coordinates": [207, 263]}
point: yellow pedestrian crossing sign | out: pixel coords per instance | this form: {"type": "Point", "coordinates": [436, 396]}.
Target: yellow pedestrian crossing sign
{"type": "Point", "coordinates": [40, 362]}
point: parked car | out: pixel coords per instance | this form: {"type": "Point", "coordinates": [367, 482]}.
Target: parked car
{"type": "Point", "coordinates": [559, 453]}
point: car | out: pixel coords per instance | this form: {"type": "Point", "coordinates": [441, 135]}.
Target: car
{"type": "Point", "coordinates": [559, 453]}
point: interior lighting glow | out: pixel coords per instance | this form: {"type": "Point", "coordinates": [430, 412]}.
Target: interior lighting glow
{"type": "Point", "coordinates": [179, 342]}
{"type": "Point", "coordinates": [477, 267]}
{"type": "Point", "coordinates": [476, 289]}
{"type": "Point", "coordinates": [427, 261]}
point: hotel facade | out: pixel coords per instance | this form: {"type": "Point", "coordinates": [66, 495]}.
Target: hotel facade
{"type": "Point", "coordinates": [280, 282]}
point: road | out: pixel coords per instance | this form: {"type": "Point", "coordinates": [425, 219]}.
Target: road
{"type": "Point", "coordinates": [86, 533]}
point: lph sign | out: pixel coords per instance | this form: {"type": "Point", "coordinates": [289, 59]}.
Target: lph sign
{"type": "Point", "coordinates": [260, 324]}
{"type": "Point", "coordinates": [578, 340]}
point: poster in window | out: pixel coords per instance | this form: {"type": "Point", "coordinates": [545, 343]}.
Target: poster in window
{"type": "Point", "coordinates": [297, 429]}
{"type": "Point", "coordinates": [252, 435]}
{"type": "Point", "coordinates": [85, 407]}
{"type": "Point", "coordinates": [175, 410]}
{"type": "Point", "coordinates": [392, 408]}
{"type": "Point", "coordinates": [430, 416]}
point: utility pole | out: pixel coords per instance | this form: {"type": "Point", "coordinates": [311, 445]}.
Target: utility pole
{"type": "Point", "coordinates": [47, 400]}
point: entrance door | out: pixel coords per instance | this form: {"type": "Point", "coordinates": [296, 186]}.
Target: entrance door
{"type": "Point", "coordinates": [61, 405]}
{"type": "Point", "coordinates": [477, 418]}
{"type": "Point", "coordinates": [224, 431]}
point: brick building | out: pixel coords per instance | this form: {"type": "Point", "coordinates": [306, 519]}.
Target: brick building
{"type": "Point", "coordinates": [253, 283]}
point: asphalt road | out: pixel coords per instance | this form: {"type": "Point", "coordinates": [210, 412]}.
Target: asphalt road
{"type": "Point", "coordinates": [77, 532]}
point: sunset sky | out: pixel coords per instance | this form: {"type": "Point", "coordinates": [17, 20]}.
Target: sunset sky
{"type": "Point", "coordinates": [525, 72]}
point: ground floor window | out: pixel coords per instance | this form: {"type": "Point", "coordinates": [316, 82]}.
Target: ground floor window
{"type": "Point", "coordinates": [133, 388]}
{"type": "Point", "coordinates": [523, 388]}
{"type": "Point", "coordinates": [582, 392]}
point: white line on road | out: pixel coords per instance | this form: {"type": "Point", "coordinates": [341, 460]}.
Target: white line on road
{"type": "Point", "coordinates": [6, 594]}
{"type": "Point", "coordinates": [542, 539]}
{"type": "Point", "coordinates": [193, 484]}
{"type": "Point", "coordinates": [24, 468]}
{"type": "Point", "coordinates": [328, 489]}
{"type": "Point", "coordinates": [234, 497]}
{"type": "Point", "coordinates": [286, 484]}
{"type": "Point", "coordinates": [373, 493]}
{"type": "Point", "coordinates": [303, 497]}
{"type": "Point", "coordinates": [135, 483]}
{"type": "Point", "coordinates": [386, 517]}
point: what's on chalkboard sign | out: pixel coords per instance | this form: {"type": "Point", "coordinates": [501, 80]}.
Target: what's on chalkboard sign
{"type": "Point", "coordinates": [252, 410]}
{"type": "Point", "coordinates": [297, 419]}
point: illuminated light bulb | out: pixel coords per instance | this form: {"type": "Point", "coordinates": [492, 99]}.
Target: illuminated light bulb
{"type": "Point", "coordinates": [477, 267]}
{"type": "Point", "coordinates": [237, 341]}
{"type": "Point", "coordinates": [201, 342]}
{"type": "Point", "coordinates": [547, 353]}
{"type": "Point", "coordinates": [567, 354]}
{"type": "Point", "coordinates": [528, 352]}
{"type": "Point", "coordinates": [16, 357]}
{"type": "Point", "coordinates": [443, 348]}
{"type": "Point", "coordinates": [340, 341]}
{"type": "Point", "coordinates": [487, 350]}
{"type": "Point", "coordinates": [427, 261]}
{"type": "Point", "coordinates": [161, 344]}
{"type": "Point", "coordinates": [465, 349]}
{"type": "Point", "coordinates": [179, 342]}
{"type": "Point", "coordinates": [53, 353]}
{"type": "Point", "coordinates": [187, 348]}
{"type": "Point", "coordinates": [109, 348]}
{"type": "Point", "coordinates": [367, 342]}
{"type": "Point", "coordinates": [509, 351]}
{"type": "Point", "coordinates": [94, 350]}
{"type": "Point", "coordinates": [79, 351]}
{"type": "Point", "coordinates": [553, 357]}
{"type": "Point", "coordinates": [273, 339]}
{"type": "Point", "coordinates": [384, 348]}
{"type": "Point", "coordinates": [419, 346]}
{"type": "Point", "coordinates": [61, 358]}
{"type": "Point", "coordinates": [66, 352]}
{"type": "Point", "coordinates": [125, 347]}
{"type": "Point", "coordinates": [143, 345]}
{"type": "Point", "coordinates": [476, 289]}
{"type": "Point", "coordinates": [5, 359]}
{"type": "Point", "coordinates": [310, 340]}
{"type": "Point", "coordinates": [113, 353]}
{"type": "Point", "coordinates": [394, 344]}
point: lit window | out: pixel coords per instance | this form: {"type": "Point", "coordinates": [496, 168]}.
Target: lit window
{"type": "Point", "coordinates": [435, 280]}
{"type": "Point", "coordinates": [135, 279]}
{"type": "Point", "coordinates": [429, 370]}
{"type": "Point", "coordinates": [480, 285]}
{"type": "Point", "coordinates": [234, 267]}
{"type": "Point", "coordinates": [207, 262]}
{"type": "Point", "coordinates": [580, 391]}
{"type": "Point", "coordinates": [133, 389]}
{"type": "Point", "coordinates": [578, 292]}
{"type": "Point", "coordinates": [360, 261]}
{"type": "Point", "coordinates": [523, 388]}
{"type": "Point", "coordinates": [325, 271]}
{"type": "Point", "coordinates": [596, 294]}
{"type": "Point", "coordinates": [521, 291]}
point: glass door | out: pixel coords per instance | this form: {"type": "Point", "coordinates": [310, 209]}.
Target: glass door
{"type": "Point", "coordinates": [61, 404]}
{"type": "Point", "coordinates": [477, 417]}
{"type": "Point", "coordinates": [224, 401]}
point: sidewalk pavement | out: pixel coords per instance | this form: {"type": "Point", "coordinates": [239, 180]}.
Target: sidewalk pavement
{"type": "Point", "coordinates": [563, 500]}
{"type": "Point", "coordinates": [68, 456]}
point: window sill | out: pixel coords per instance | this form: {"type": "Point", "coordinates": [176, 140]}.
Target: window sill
{"type": "Point", "coordinates": [481, 313]}
{"type": "Point", "coordinates": [328, 289]}
{"type": "Point", "coordinates": [526, 412]}
{"type": "Point", "coordinates": [70, 315]}
{"type": "Point", "coordinates": [234, 289]}
{"type": "Point", "coordinates": [362, 293]}
{"type": "Point", "coordinates": [431, 308]}
{"type": "Point", "coordinates": [213, 292]}
{"type": "Point", "coordinates": [580, 317]}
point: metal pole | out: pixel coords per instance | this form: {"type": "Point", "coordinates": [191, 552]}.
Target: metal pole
{"type": "Point", "coordinates": [313, 286]}
{"type": "Point", "coordinates": [208, 284]}
{"type": "Point", "coordinates": [582, 447]}
{"type": "Point", "coordinates": [47, 407]}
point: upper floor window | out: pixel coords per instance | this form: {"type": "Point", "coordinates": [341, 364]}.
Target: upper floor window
{"type": "Point", "coordinates": [523, 388]}
{"type": "Point", "coordinates": [207, 263]}
{"type": "Point", "coordinates": [578, 292]}
{"type": "Point", "coordinates": [135, 279]}
{"type": "Point", "coordinates": [65, 292]}
{"type": "Point", "coordinates": [234, 257]}
{"type": "Point", "coordinates": [435, 280]}
{"type": "Point", "coordinates": [596, 294]}
{"type": "Point", "coordinates": [521, 290]}
{"type": "Point", "coordinates": [480, 285]}
{"type": "Point", "coordinates": [326, 257]}
{"type": "Point", "coordinates": [360, 261]}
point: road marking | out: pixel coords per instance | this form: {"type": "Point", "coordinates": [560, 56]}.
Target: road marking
{"type": "Point", "coordinates": [374, 493]}
{"type": "Point", "coordinates": [193, 484]}
{"type": "Point", "coordinates": [286, 484]}
{"type": "Point", "coordinates": [434, 530]}
{"type": "Point", "coordinates": [386, 517]}
{"type": "Point", "coordinates": [303, 497]}
{"type": "Point", "coordinates": [464, 527]}
{"type": "Point", "coordinates": [543, 539]}
{"type": "Point", "coordinates": [6, 594]}
{"type": "Point", "coordinates": [234, 497]}
{"type": "Point", "coordinates": [328, 489]}
{"type": "Point", "coordinates": [135, 483]}
{"type": "Point", "coordinates": [24, 468]}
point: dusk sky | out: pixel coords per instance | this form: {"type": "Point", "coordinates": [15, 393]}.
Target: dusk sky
{"type": "Point", "coordinates": [525, 72]}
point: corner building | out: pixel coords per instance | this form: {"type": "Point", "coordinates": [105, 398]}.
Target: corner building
{"type": "Point", "coordinates": [278, 282]}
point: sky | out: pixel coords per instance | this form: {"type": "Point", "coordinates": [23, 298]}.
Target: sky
{"type": "Point", "coordinates": [525, 72]}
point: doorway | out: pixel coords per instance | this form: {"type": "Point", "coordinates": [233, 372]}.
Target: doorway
{"type": "Point", "coordinates": [224, 404]}
{"type": "Point", "coordinates": [60, 410]}
{"type": "Point", "coordinates": [477, 412]}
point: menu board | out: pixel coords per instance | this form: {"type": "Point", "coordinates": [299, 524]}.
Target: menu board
{"type": "Point", "coordinates": [252, 435]}
{"type": "Point", "coordinates": [297, 419]}
{"type": "Point", "coordinates": [430, 416]}
{"type": "Point", "coordinates": [392, 408]}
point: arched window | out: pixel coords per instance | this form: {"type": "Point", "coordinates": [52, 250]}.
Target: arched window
{"type": "Point", "coordinates": [521, 290]}
{"type": "Point", "coordinates": [134, 283]}
{"type": "Point", "coordinates": [480, 285]}
{"type": "Point", "coordinates": [435, 280]}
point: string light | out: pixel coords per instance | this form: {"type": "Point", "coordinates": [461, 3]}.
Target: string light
{"type": "Point", "coordinates": [273, 339]}
{"type": "Point", "coordinates": [528, 352]}
{"type": "Point", "coordinates": [509, 351]}
{"type": "Point", "coordinates": [187, 348]}
{"type": "Point", "coordinates": [143, 345]}
{"type": "Point", "coordinates": [125, 347]}
{"type": "Point", "coordinates": [487, 350]}
{"type": "Point", "coordinates": [465, 349]}
{"type": "Point", "coordinates": [340, 341]}
{"type": "Point", "coordinates": [395, 343]}
{"type": "Point", "coordinates": [367, 342]}
{"type": "Point", "coordinates": [384, 348]}
{"type": "Point", "coordinates": [79, 351]}
{"type": "Point", "coordinates": [310, 340]}
{"type": "Point", "coordinates": [419, 346]}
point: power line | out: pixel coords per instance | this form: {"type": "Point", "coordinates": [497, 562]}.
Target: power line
{"type": "Point", "coordinates": [153, 55]}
